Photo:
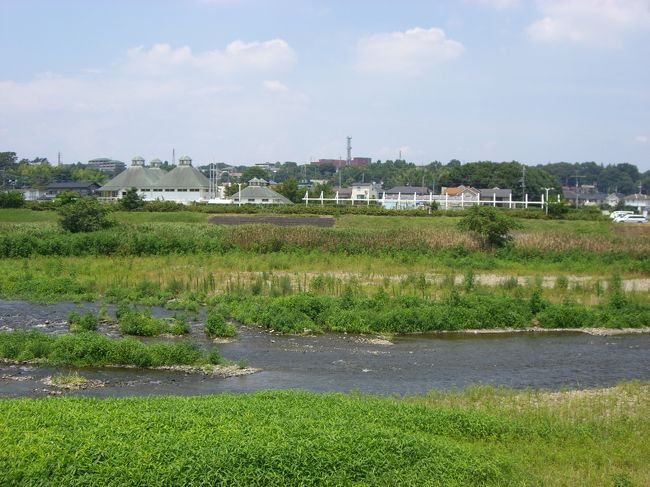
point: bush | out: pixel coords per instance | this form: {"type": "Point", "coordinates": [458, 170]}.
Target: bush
{"type": "Point", "coordinates": [87, 322]}
{"type": "Point", "coordinates": [569, 316]}
{"type": "Point", "coordinates": [84, 215]}
{"type": "Point", "coordinates": [11, 199]}
{"type": "Point", "coordinates": [490, 226]}
{"type": "Point", "coordinates": [216, 326]}
{"type": "Point", "coordinates": [141, 323]}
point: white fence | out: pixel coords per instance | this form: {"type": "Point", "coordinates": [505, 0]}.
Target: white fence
{"type": "Point", "coordinates": [445, 202]}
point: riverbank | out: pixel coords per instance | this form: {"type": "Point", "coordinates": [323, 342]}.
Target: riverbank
{"type": "Point", "coordinates": [481, 436]}
{"type": "Point", "coordinates": [536, 329]}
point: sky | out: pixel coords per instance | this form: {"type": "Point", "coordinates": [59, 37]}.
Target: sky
{"type": "Point", "coordinates": [249, 81]}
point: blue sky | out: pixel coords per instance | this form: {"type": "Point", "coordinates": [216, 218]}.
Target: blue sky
{"type": "Point", "coordinates": [246, 81]}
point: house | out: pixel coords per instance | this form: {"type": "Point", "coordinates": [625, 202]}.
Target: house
{"type": "Point", "coordinates": [258, 193]}
{"type": "Point", "coordinates": [406, 191]}
{"type": "Point", "coordinates": [585, 199]}
{"type": "Point", "coordinates": [364, 191]}
{"type": "Point", "coordinates": [495, 194]}
{"type": "Point", "coordinates": [466, 193]}
{"type": "Point", "coordinates": [403, 197]}
{"type": "Point", "coordinates": [613, 199]}
{"type": "Point", "coordinates": [639, 201]}
{"type": "Point", "coordinates": [343, 193]}
{"type": "Point", "coordinates": [32, 194]}
{"type": "Point", "coordinates": [82, 188]}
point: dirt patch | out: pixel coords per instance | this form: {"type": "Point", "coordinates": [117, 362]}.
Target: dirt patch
{"type": "Point", "coordinates": [325, 221]}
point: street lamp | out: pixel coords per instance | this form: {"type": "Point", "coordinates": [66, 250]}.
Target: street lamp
{"type": "Point", "coordinates": [239, 199]}
{"type": "Point", "coordinates": [547, 190]}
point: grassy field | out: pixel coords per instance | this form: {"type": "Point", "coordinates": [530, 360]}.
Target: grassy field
{"type": "Point", "coordinates": [154, 257]}
{"type": "Point", "coordinates": [481, 436]}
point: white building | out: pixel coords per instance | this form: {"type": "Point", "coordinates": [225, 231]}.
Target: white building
{"type": "Point", "coordinates": [183, 184]}
{"type": "Point", "coordinates": [365, 191]}
{"type": "Point", "coordinates": [258, 193]}
{"type": "Point", "coordinates": [639, 201]}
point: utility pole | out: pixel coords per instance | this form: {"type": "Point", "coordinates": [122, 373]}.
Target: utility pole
{"type": "Point", "coordinates": [577, 179]}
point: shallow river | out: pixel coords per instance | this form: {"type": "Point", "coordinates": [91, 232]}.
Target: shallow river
{"type": "Point", "coordinates": [413, 364]}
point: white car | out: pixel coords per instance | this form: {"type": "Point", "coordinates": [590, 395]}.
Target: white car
{"type": "Point", "coordinates": [616, 214]}
{"type": "Point", "coordinates": [631, 219]}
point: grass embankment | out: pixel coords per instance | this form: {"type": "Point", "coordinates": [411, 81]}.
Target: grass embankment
{"type": "Point", "coordinates": [91, 349]}
{"type": "Point", "coordinates": [479, 437]}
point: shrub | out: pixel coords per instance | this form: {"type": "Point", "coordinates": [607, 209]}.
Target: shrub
{"type": "Point", "coordinates": [490, 226]}
{"type": "Point", "coordinates": [179, 326]}
{"type": "Point", "coordinates": [141, 323]}
{"type": "Point", "coordinates": [216, 326]}
{"type": "Point", "coordinates": [87, 322]}
{"type": "Point", "coordinates": [11, 199]}
{"type": "Point", "coordinates": [569, 316]}
{"type": "Point", "coordinates": [65, 198]}
{"type": "Point", "coordinates": [84, 215]}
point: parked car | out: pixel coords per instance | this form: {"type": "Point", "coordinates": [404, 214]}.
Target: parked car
{"type": "Point", "coordinates": [616, 214]}
{"type": "Point", "coordinates": [631, 219]}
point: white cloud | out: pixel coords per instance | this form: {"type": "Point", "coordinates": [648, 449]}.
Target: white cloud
{"type": "Point", "coordinates": [154, 97]}
{"type": "Point", "coordinates": [406, 53]}
{"type": "Point", "coordinates": [237, 56]}
{"type": "Point", "coordinates": [275, 86]}
{"type": "Point", "coordinates": [641, 139]}
{"type": "Point", "coordinates": [590, 22]}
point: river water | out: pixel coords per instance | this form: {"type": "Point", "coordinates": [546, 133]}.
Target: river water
{"type": "Point", "coordinates": [338, 362]}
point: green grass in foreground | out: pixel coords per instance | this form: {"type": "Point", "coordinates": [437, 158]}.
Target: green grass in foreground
{"type": "Point", "coordinates": [479, 437]}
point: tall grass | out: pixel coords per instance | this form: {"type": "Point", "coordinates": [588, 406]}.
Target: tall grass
{"type": "Point", "coordinates": [358, 313]}
{"type": "Point", "coordinates": [91, 349]}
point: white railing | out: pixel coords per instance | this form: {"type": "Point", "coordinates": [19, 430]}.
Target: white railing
{"type": "Point", "coordinates": [444, 201]}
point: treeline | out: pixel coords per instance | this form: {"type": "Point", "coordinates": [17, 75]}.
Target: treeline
{"type": "Point", "coordinates": [614, 178]}
{"type": "Point", "coordinates": [622, 178]}
{"type": "Point", "coordinates": [38, 172]}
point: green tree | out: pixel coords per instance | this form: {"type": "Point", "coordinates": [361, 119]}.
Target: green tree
{"type": "Point", "coordinates": [84, 215]}
{"type": "Point", "coordinates": [11, 199]}
{"type": "Point", "coordinates": [131, 200]}
{"type": "Point", "coordinates": [290, 190]}
{"type": "Point", "coordinates": [253, 172]}
{"type": "Point", "coordinates": [490, 226]}
{"type": "Point", "coordinates": [8, 159]}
